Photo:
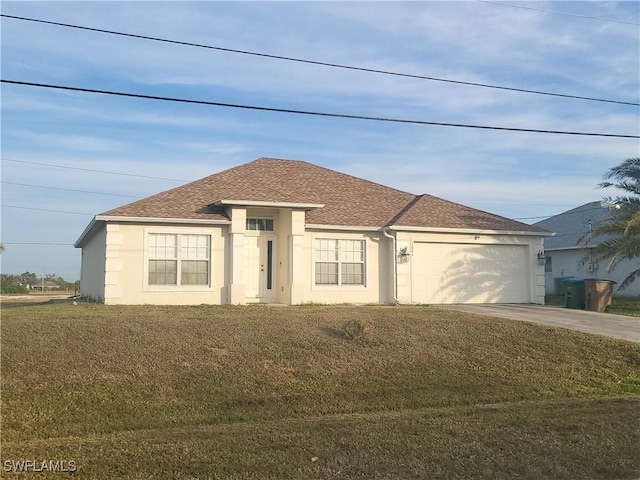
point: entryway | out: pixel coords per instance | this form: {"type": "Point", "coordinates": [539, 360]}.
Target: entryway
{"type": "Point", "coordinates": [259, 273]}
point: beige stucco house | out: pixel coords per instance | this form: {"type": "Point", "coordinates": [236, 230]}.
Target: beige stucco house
{"type": "Point", "coordinates": [283, 231]}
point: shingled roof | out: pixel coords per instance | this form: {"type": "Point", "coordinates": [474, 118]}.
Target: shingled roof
{"type": "Point", "coordinates": [347, 200]}
{"type": "Point", "coordinates": [573, 225]}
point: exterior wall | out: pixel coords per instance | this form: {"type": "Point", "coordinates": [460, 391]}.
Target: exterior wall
{"type": "Point", "coordinates": [115, 262]}
{"type": "Point", "coordinates": [92, 272]}
{"type": "Point", "coordinates": [568, 263]}
{"type": "Point", "coordinates": [378, 274]}
{"type": "Point", "coordinates": [406, 240]}
{"type": "Point", "coordinates": [126, 268]}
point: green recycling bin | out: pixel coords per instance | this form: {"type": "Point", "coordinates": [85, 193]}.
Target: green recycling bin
{"type": "Point", "coordinates": [574, 293]}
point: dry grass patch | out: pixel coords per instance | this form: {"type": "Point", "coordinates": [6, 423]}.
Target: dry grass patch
{"type": "Point", "coordinates": [86, 377]}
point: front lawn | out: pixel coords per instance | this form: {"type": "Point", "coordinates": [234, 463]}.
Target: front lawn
{"type": "Point", "coordinates": [288, 392]}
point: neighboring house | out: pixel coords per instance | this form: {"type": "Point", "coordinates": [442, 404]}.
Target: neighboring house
{"type": "Point", "coordinates": [568, 256]}
{"type": "Point", "coordinates": [283, 231]}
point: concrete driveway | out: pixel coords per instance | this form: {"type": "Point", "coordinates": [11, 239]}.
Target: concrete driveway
{"type": "Point", "coordinates": [616, 326]}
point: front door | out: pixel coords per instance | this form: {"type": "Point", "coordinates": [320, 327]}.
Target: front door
{"type": "Point", "coordinates": [259, 282]}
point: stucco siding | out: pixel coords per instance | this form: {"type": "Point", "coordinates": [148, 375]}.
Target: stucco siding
{"type": "Point", "coordinates": [92, 274]}
{"type": "Point", "coordinates": [378, 274]}
{"type": "Point", "coordinates": [569, 263]}
{"type": "Point", "coordinates": [126, 267]}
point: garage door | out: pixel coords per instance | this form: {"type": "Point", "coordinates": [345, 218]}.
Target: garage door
{"type": "Point", "coordinates": [462, 273]}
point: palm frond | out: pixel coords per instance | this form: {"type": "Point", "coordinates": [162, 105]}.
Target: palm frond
{"type": "Point", "coordinates": [629, 279]}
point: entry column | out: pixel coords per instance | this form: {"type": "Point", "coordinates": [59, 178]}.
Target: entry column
{"type": "Point", "coordinates": [236, 287]}
{"type": "Point", "coordinates": [297, 269]}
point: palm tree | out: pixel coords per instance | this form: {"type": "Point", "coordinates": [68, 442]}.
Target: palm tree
{"type": "Point", "coordinates": [621, 235]}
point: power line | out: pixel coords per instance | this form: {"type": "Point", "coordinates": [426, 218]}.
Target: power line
{"type": "Point", "coordinates": [118, 173]}
{"type": "Point", "coordinates": [46, 210]}
{"type": "Point", "coordinates": [315, 62]}
{"type": "Point", "coordinates": [68, 189]}
{"type": "Point", "coordinates": [560, 13]}
{"type": "Point", "coordinates": [312, 113]}
{"type": "Point", "coordinates": [37, 243]}
{"type": "Point", "coordinates": [569, 212]}
{"type": "Point", "coordinates": [92, 170]}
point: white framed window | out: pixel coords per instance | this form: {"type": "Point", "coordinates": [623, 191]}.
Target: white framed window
{"type": "Point", "coordinates": [178, 259]}
{"type": "Point", "coordinates": [260, 224]}
{"type": "Point", "coordinates": [339, 262]}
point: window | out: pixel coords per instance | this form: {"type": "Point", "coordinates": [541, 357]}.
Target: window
{"type": "Point", "coordinates": [171, 253]}
{"type": "Point", "coordinates": [548, 265]}
{"type": "Point", "coordinates": [263, 224]}
{"type": "Point", "coordinates": [339, 262]}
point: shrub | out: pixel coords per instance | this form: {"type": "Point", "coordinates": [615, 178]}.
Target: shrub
{"type": "Point", "coordinates": [354, 330]}
{"type": "Point", "coordinates": [13, 289]}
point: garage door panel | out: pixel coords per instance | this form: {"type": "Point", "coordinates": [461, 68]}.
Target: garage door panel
{"type": "Point", "coordinates": [461, 273]}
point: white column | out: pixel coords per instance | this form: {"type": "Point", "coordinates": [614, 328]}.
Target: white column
{"type": "Point", "coordinates": [236, 287]}
{"type": "Point", "coordinates": [297, 269]}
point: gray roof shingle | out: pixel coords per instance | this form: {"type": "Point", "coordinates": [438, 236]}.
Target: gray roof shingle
{"type": "Point", "coordinates": [571, 226]}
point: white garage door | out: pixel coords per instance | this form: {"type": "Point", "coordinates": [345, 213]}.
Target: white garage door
{"type": "Point", "coordinates": [462, 273]}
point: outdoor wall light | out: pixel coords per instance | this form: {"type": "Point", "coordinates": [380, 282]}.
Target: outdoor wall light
{"type": "Point", "coordinates": [541, 257]}
{"type": "Point", "coordinates": [403, 255]}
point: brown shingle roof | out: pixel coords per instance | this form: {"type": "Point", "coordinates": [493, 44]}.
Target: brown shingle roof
{"type": "Point", "coordinates": [430, 211]}
{"type": "Point", "coordinates": [348, 200]}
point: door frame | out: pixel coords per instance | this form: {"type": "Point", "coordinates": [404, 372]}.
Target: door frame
{"type": "Point", "coordinates": [266, 244]}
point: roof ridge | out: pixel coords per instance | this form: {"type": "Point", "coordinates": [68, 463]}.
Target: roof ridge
{"type": "Point", "coordinates": [332, 171]}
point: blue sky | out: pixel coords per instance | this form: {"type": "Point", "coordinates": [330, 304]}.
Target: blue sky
{"type": "Point", "coordinates": [518, 175]}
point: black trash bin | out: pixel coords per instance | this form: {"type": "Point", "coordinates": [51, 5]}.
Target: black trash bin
{"type": "Point", "coordinates": [574, 296]}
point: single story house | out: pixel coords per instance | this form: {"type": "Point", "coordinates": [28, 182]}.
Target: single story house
{"type": "Point", "coordinates": [290, 232]}
{"type": "Point", "coordinates": [568, 256]}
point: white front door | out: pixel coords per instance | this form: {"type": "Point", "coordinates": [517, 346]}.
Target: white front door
{"type": "Point", "coordinates": [259, 272]}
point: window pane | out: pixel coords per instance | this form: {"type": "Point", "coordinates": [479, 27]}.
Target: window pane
{"type": "Point", "coordinates": [162, 246]}
{"type": "Point", "coordinates": [352, 250]}
{"type": "Point", "coordinates": [163, 272]}
{"type": "Point", "coordinates": [326, 273]}
{"type": "Point", "coordinates": [262, 224]}
{"type": "Point", "coordinates": [194, 246]}
{"type": "Point", "coordinates": [352, 274]}
{"type": "Point", "coordinates": [326, 250]}
{"type": "Point", "coordinates": [194, 272]}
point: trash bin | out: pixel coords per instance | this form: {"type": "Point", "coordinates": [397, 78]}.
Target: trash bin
{"type": "Point", "coordinates": [574, 293]}
{"type": "Point", "coordinates": [560, 288]}
{"type": "Point", "coordinates": [598, 294]}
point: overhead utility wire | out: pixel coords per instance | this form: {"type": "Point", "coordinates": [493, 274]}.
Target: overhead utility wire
{"type": "Point", "coordinates": [560, 13]}
{"type": "Point", "coordinates": [38, 243]}
{"type": "Point", "coordinates": [92, 170]}
{"type": "Point", "coordinates": [46, 210]}
{"type": "Point", "coordinates": [68, 189]}
{"type": "Point", "coordinates": [312, 113]}
{"type": "Point", "coordinates": [118, 173]}
{"type": "Point", "coordinates": [324, 64]}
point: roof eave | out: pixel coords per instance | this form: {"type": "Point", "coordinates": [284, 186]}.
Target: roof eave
{"type": "Point", "coordinates": [199, 221]}
{"type": "Point", "coordinates": [346, 228]}
{"type": "Point", "coordinates": [93, 225]}
{"type": "Point", "coordinates": [86, 233]}
{"type": "Point", "coordinates": [470, 230]}
{"type": "Point", "coordinates": [261, 203]}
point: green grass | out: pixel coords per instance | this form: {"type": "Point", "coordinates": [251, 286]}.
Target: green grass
{"type": "Point", "coordinates": [619, 305]}
{"type": "Point", "coordinates": [258, 392]}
